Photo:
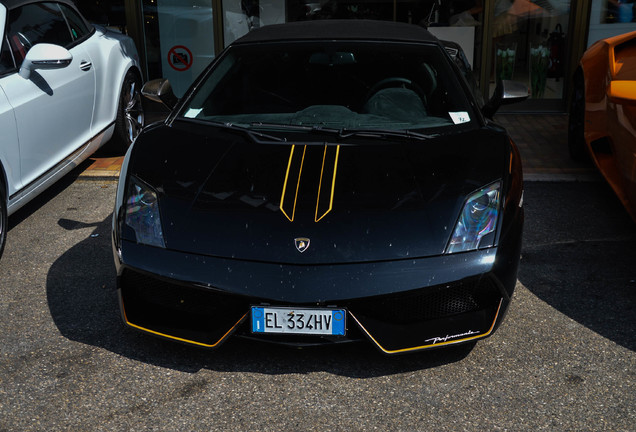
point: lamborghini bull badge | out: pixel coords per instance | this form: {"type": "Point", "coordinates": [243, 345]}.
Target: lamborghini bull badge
{"type": "Point", "coordinates": [302, 244]}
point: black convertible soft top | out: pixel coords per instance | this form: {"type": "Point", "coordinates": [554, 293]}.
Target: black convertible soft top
{"type": "Point", "coordinates": [339, 29]}
{"type": "Point", "coordinates": [10, 4]}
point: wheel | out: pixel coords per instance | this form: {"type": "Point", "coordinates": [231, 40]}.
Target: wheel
{"type": "Point", "coordinates": [576, 122]}
{"type": "Point", "coordinates": [3, 218]}
{"type": "Point", "coordinates": [130, 114]}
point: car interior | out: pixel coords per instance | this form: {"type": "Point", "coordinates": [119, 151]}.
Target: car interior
{"type": "Point", "coordinates": [333, 87]}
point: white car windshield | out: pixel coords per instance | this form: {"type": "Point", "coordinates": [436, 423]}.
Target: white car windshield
{"type": "Point", "coordinates": [340, 85]}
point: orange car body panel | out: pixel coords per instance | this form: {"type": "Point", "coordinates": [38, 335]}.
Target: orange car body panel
{"type": "Point", "coordinates": [609, 70]}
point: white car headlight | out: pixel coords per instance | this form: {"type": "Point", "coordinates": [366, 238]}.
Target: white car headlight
{"type": "Point", "coordinates": [142, 213]}
{"type": "Point", "coordinates": [477, 219]}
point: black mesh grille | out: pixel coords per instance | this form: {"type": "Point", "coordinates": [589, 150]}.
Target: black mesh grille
{"type": "Point", "coordinates": [429, 303]}
{"type": "Point", "coordinates": [178, 310]}
{"type": "Point", "coordinates": [206, 315]}
{"type": "Point", "coordinates": [180, 297]}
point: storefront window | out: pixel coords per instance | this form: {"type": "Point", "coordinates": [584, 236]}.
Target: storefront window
{"type": "Point", "coordinates": [179, 40]}
{"type": "Point", "coordinates": [529, 45]}
{"type": "Point", "coordinates": [241, 16]}
{"type": "Point", "coordinates": [611, 18]}
{"type": "Point", "coordinates": [455, 20]}
{"type": "Point", "coordinates": [151, 44]}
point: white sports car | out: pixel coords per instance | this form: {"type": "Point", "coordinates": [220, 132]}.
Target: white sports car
{"type": "Point", "coordinates": [66, 87]}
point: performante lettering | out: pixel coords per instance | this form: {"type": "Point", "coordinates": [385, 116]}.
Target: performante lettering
{"type": "Point", "coordinates": [447, 337]}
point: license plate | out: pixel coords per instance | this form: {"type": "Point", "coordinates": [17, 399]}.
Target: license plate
{"type": "Point", "coordinates": [298, 321]}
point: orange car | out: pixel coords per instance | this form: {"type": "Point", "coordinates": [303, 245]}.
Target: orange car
{"type": "Point", "coordinates": [603, 113]}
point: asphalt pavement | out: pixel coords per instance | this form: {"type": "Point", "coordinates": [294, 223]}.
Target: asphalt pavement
{"type": "Point", "coordinates": [563, 360]}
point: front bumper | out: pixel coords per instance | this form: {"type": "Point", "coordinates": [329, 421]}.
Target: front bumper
{"type": "Point", "coordinates": [400, 306]}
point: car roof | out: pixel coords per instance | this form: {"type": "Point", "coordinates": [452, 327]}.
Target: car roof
{"type": "Point", "coordinates": [338, 30]}
{"type": "Point", "coordinates": [12, 4]}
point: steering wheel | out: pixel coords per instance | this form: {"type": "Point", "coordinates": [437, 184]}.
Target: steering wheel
{"type": "Point", "coordinates": [396, 82]}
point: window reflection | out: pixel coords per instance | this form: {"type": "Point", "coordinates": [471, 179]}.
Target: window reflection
{"type": "Point", "coordinates": [529, 45]}
{"type": "Point", "coordinates": [611, 18]}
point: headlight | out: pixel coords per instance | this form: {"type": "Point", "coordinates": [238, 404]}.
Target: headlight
{"type": "Point", "coordinates": [477, 219]}
{"type": "Point", "coordinates": [142, 213]}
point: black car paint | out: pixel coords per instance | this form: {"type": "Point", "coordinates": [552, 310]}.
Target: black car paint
{"type": "Point", "coordinates": [393, 199]}
{"type": "Point", "coordinates": [248, 254]}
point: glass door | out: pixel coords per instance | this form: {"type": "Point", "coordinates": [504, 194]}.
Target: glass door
{"type": "Point", "coordinates": [529, 43]}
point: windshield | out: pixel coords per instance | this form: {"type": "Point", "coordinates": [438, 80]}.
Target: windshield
{"type": "Point", "coordinates": [339, 85]}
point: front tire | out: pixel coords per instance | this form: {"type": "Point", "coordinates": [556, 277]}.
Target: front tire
{"type": "Point", "coordinates": [576, 122]}
{"type": "Point", "coordinates": [130, 114]}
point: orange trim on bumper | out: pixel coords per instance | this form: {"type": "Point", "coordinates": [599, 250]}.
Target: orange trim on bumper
{"type": "Point", "coordinates": [138, 327]}
{"type": "Point", "coordinates": [433, 345]}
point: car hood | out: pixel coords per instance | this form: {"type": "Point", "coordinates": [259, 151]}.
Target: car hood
{"type": "Point", "coordinates": [223, 194]}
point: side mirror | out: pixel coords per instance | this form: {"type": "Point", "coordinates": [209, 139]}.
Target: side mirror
{"type": "Point", "coordinates": [506, 92]}
{"type": "Point", "coordinates": [622, 92]}
{"type": "Point", "coordinates": [45, 56]}
{"type": "Point", "coordinates": [160, 90]}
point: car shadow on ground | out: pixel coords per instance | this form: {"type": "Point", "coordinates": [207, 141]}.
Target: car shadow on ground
{"type": "Point", "coordinates": [579, 257]}
{"type": "Point", "coordinates": [82, 298]}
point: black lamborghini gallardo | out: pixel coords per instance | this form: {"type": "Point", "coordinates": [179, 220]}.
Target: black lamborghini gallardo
{"type": "Point", "coordinates": [322, 182]}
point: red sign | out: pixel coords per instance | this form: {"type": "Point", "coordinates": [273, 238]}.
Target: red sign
{"type": "Point", "coordinates": [180, 58]}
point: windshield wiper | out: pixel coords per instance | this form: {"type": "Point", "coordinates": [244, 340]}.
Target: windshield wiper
{"type": "Point", "coordinates": [257, 137]}
{"type": "Point", "coordinates": [294, 127]}
{"type": "Point", "coordinates": [385, 133]}
{"type": "Point", "coordinates": [348, 133]}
